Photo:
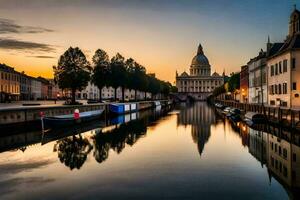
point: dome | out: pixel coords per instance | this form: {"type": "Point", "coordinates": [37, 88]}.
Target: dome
{"type": "Point", "coordinates": [200, 65]}
{"type": "Point", "coordinates": [200, 59]}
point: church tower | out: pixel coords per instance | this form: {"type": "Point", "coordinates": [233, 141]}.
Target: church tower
{"type": "Point", "coordinates": [294, 22]}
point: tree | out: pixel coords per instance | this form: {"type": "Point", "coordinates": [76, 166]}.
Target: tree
{"type": "Point", "coordinates": [234, 82]}
{"type": "Point", "coordinates": [118, 74]}
{"type": "Point", "coordinates": [136, 76]}
{"type": "Point", "coordinates": [72, 71]}
{"type": "Point", "coordinates": [101, 71]}
{"type": "Point", "coordinates": [153, 85]}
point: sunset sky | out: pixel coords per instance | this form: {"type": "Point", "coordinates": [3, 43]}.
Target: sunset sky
{"type": "Point", "coordinates": [163, 35]}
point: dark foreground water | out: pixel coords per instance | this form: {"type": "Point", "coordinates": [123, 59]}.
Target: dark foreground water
{"type": "Point", "coordinates": [190, 152]}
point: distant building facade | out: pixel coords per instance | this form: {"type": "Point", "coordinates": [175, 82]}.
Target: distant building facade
{"type": "Point", "coordinates": [9, 84]}
{"type": "Point", "coordinates": [258, 89]}
{"type": "Point", "coordinates": [244, 84]}
{"type": "Point", "coordinates": [36, 89]}
{"type": "Point", "coordinates": [25, 86]}
{"type": "Point", "coordinates": [199, 83]}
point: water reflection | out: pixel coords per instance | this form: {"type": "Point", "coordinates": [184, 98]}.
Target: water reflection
{"type": "Point", "coordinates": [148, 155]}
{"type": "Point", "coordinates": [200, 117]}
{"type": "Point", "coordinates": [73, 151]}
{"type": "Point", "coordinates": [275, 149]}
{"type": "Point", "coordinates": [278, 150]}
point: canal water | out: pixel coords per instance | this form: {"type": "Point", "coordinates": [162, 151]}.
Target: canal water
{"type": "Point", "coordinates": [188, 152]}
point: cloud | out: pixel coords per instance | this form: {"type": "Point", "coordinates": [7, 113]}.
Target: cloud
{"type": "Point", "coordinates": [14, 184]}
{"type": "Point", "coordinates": [14, 44]}
{"type": "Point", "coordinates": [8, 26]}
{"type": "Point", "coordinates": [21, 166]}
{"type": "Point", "coordinates": [42, 57]}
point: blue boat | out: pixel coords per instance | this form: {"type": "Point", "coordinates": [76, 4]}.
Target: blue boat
{"type": "Point", "coordinates": [122, 108]}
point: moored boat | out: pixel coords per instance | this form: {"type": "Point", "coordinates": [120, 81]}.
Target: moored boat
{"type": "Point", "coordinates": [252, 118]}
{"type": "Point", "coordinates": [122, 108]}
{"type": "Point", "coordinates": [71, 119]}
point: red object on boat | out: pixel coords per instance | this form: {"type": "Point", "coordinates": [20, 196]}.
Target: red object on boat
{"type": "Point", "coordinates": [76, 114]}
{"type": "Point", "coordinates": [42, 114]}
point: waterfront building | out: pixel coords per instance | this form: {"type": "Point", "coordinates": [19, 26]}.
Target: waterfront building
{"type": "Point", "coordinates": [244, 84]}
{"type": "Point", "coordinates": [53, 90]}
{"type": "Point", "coordinates": [199, 83]}
{"type": "Point", "coordinates": [90, 92]}
{"type": "Point", "coordinates": [25, 86]}
{"type": "Point", "coordinates": [258, 79]}
{"type": "Point", "coordinates": [9, 84]}
{"type": "Point", "coordinates": [35, 88]}
{"type": "Point", "coordinates": [44, 88]}
{"type": "Point", "coordinates": [284, 68]}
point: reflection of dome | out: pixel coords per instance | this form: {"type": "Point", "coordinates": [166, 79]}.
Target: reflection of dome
{"type": "Point", "coordinates": [200, 65]}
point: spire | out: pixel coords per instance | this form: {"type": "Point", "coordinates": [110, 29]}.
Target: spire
{"type": "Point", "coordinates": [269, 45]}
{"type": "Point", "coordinates": [200, 49]}
{"type": "Point", "coordinates": [295, 7]}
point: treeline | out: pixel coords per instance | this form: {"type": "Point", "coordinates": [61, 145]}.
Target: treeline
{"type": "Point", "coordinates": [231, 85]}
{"type": "Point", "coordinates": [74, 71]}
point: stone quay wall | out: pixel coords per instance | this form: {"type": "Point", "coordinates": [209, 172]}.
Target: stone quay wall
{"type": "Point", "coordinates": [9, 116]}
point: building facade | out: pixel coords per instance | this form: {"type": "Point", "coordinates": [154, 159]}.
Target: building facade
{"type": "Point", "coordinates": [244, 84]}
{"type": "Point", "coordinates": [284, 67]}
{"type": "Point", "coordinates": [199, 83]}
{"type": "Point", "coordinates": [36, 89]}
{"type": "Point", "coordinates": [25, 86]}
{"type": "Point", "coordinates": [9, 84]}
{"type": "Point", "coordinates": [258, 89]}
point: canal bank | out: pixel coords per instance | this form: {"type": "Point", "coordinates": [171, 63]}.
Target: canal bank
{"type": "Point", "coordinates": [278, 116]}
{"type": "Point", "coordinates": [10, 117]}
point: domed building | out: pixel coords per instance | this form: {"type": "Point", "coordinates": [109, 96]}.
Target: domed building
{"type": "Point", "coordinates": [199, 83]}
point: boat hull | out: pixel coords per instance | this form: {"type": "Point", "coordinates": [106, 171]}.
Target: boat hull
{"type": "Point", "coordinates": [122, 108]}
{"type": "Point", "coordinates": [62, 121]}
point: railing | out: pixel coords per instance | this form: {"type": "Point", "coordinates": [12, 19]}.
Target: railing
{"type": "Point", "coordinates": [278, 115]}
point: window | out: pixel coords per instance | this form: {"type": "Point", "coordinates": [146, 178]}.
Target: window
{"type": "Point", "coordinates": [284, 153]}
{"type": "Point", "coordinates": [272, 146]}
{"type": "Point", "coordinates": [279, 89]}
{"type": "Point", "coordinates": [279, 150]}
{"type": "Point", "coordinates": [276, 69]}
{"type": "Point", "coordinates": [272, 102]}
{"type": "Point", "coordinates": [294, 157]}
{"type": "Point", "coordinates": [272, 70]}
{"type": "Point", "coordinates": [294, 86]}
{"type": "Point", "coordinates": [293, 63]}
{"type": "Point", "coordinates": [276, 89]}
{"type": "Point", "coordinates": [271, 89]}
{"type": "Point", "coordinates": [284, 89]}
{"type": "Point", "coordinates": [284, 66]}
{"type": "Point", "coordinates": [280, 69]}
{"type": "Point", "coordinates": [285, 171]}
